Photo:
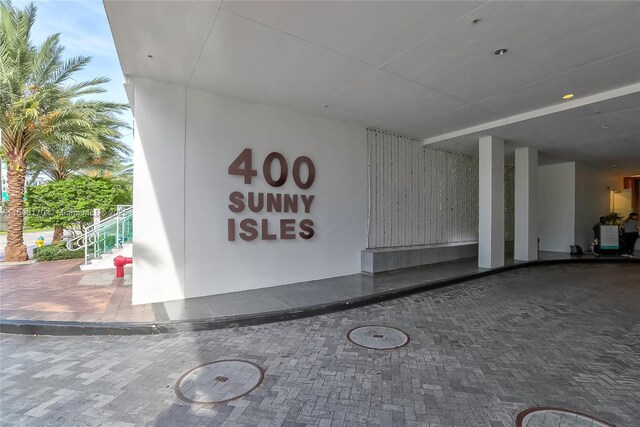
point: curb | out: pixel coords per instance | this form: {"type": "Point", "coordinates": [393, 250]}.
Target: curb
{"type": "Point", "coordinates": [43, 327]}
{"type": "Point", "coordinates": [13, 263]}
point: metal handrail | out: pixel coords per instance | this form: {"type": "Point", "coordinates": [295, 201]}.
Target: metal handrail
{"type": "Point", "coordinates": [92, 232]}
{"type": "Point", "coordinates": [91, 228]}
{"type": "Point", "coordinates": [109, 220]}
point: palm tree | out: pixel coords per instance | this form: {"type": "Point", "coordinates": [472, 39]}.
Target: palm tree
{"type": "Point", "coordinates": [61, 161]}
{"type": "Point", "coordinates": [40, 106]}
{"type": "Point", "coordinates": [58, 161]}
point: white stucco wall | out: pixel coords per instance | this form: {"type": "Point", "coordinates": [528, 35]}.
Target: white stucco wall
{"type": "Point", "coordinates": [158, 192]}
{"type": "Point", "coordinates": [571, 199]}
{"type": "Point", "coordinates": [592, 202]}
{"type": "Point", "coordinates": [185, 141]}
{"type": "Point", "coordinates": [556, 206]}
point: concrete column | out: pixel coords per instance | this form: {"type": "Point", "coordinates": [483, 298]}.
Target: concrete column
{"type": "Point", "coordinates": [526, 221]}
{"type": "Point", "coordinates": [491, 224]}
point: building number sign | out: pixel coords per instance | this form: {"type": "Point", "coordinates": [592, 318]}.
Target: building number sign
{"type": "Point", "coordinates": [287, 227]}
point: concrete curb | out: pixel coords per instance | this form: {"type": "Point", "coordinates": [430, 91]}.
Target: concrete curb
{"type": "Point", "coordinates": [11, 264]}
{"type": "Point", "coordinates": [36, 327]}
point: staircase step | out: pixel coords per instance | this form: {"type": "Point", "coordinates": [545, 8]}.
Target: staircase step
{"type": "Point", "coordinates": [105, 260]}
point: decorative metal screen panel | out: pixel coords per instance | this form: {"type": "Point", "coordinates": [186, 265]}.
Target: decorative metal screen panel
{"type": "Point", "coordinates": [423, 196]}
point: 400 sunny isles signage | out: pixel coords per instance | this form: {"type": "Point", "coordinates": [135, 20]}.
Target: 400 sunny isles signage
{"type": "Point", "coordinates": [287, 228]}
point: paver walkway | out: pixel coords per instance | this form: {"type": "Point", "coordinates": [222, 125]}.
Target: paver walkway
{"type": "Point", "coordinates": [59, 291]}
{"type": "Point", "coordinates": [480, 353]}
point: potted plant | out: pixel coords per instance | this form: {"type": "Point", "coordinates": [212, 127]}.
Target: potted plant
{"type": "Point", "coordinates": [613, 218]}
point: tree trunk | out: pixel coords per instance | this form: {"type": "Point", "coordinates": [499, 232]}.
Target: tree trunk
{"type": "Point", "coordinates": [16, 174]}
{"type": "Point", "coordinates": [58, 230]}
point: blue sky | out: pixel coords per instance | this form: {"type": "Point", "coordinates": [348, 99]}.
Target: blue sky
{"type": "Point", "coordinates": [84, 30]}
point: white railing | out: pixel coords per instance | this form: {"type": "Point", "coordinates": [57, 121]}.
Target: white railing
{"type": "Point", "coordinates": [92, 233]}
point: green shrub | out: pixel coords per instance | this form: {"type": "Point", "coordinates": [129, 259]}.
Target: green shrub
{"type": "Point", "coordinates": [55, 253]}
{"type": "Point", "coordinates": [70, 202]}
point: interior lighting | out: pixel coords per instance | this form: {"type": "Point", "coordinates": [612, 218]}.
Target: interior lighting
{"type": "Point", "coordinates": [568, 96]}
{"type": "Point", "coordinates": [501, 51]}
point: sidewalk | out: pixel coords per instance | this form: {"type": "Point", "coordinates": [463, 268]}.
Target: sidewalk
{"type": "Point", "coordinates": [59, 291]}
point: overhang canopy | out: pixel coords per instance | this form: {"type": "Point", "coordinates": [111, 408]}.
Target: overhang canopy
{"type": "Point", "coordinates": [425, 69]}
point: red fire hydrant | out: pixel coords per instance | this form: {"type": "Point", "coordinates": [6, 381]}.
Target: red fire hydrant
{"type": "Point", "coordinates": [120, 261]}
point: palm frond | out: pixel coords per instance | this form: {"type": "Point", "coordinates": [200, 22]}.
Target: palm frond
{"type": "Point", "coordinates": [45, 116]}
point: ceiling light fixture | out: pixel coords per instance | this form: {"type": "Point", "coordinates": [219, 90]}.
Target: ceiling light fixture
{"type": "Point", "coordinates": [568, 96]}
{"type": "Point", "coordinates": [501, 52]}
{"type": "Point", "coordinates": [606, 126]}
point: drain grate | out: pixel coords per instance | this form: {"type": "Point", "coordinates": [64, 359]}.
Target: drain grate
{"type": "Point", "coordinates": [378, 337]}
{"type": "Point", "coordinates": [219, 382]}
{"type": "Point", "coordinates": [556, 417]}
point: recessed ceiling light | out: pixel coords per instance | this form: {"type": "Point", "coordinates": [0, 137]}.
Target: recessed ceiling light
{"type": "Point", "coordinates": [568, 96]}
{"type": "Point", "coordinates": [501, 51]}
{"type": "Point", "coordinates": [606, 126]}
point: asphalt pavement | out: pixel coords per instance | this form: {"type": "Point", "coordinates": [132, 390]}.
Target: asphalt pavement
{"type": "Point", "coordinates": [29, 240]}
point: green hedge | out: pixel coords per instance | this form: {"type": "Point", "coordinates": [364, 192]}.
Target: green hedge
{"type": "Point", "coordinates": [55, 253]}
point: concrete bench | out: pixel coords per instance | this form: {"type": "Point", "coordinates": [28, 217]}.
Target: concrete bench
{"type": "Point", "coordinates": [387, 259]}
{"type": "Point", "coordinates": [380, 260]}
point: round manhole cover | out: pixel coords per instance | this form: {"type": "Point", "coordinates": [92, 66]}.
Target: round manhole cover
{"type": "Point", "coordinates": [547, 417]}
{"type": "Point", "coordinates": [378, 337]}
{"type": "Point", "coordinates": [219, 382]}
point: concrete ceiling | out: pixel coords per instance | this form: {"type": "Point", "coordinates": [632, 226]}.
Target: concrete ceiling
{"type": "Point", "coordinates": [424, 69]}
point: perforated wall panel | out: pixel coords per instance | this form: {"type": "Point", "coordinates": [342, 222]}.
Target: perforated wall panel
{"type": "Point", "coordinates": [422, 196]}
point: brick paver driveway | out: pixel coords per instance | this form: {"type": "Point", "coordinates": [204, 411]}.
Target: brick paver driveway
{"type": "Point", "coordinates": [480, 352]}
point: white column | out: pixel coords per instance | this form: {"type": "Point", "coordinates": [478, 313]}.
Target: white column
{"type": "Point", "coordinates": [158, 192]}
{"type": "Point", "coordinates": [526, 222]}
{"type": "Point", "coordinates": [491, 224]}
